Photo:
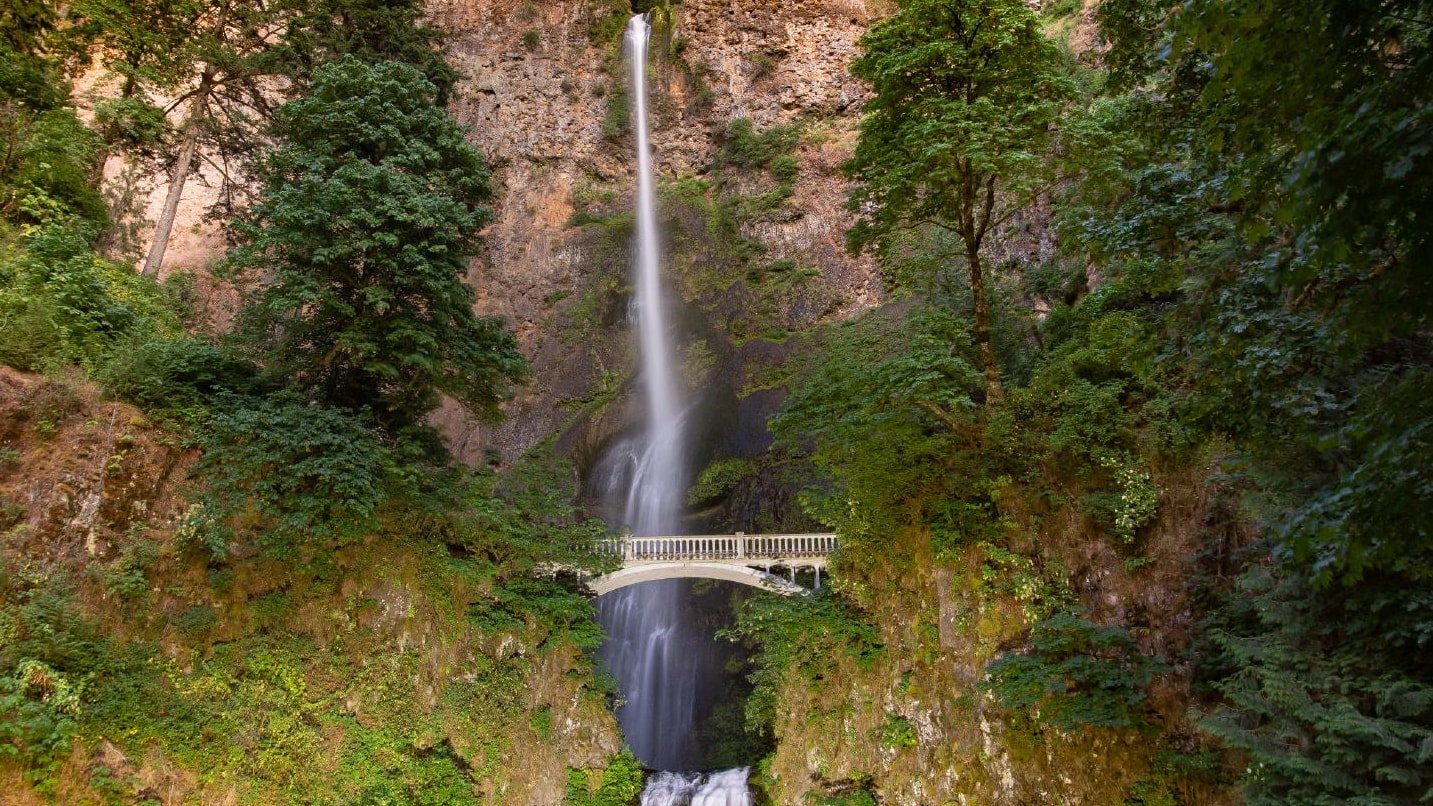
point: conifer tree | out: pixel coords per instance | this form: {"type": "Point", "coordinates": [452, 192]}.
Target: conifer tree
{"type": "Point", "coordinates": [361, 237]}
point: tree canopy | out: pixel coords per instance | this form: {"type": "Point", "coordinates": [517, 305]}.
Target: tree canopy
{"type": "Point", "coordinates": [360, 240]}
{"type": "Point", "coordinates": [959, 132]}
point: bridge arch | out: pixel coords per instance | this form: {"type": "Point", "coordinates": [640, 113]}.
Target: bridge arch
{"type": "Point", "coordinates": [728, 572]}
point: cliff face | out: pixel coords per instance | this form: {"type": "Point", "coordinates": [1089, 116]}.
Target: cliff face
{"type": "Point", "coordinates": [546, 97]}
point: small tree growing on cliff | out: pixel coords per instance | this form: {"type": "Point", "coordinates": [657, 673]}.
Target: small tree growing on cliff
{"type": "Point", "coordinates": [959, 132]}
{"type": "Point", "coordinates": [368, 214]}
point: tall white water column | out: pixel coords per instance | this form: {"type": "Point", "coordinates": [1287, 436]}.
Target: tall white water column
{"type": "Point", "coordinates": [653, 648]}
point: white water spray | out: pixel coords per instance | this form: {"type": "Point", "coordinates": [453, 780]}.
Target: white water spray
{"type": "Point", "coordinates": [651, 648]}
{"type": "Point", "coordinates": [726, 788]}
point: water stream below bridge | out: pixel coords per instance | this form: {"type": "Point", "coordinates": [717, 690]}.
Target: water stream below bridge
{"type": "Point", "coordinates": [661, 660]}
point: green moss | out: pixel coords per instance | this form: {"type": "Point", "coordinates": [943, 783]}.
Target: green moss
{"type": "Point", "coordinates": [616, 785]}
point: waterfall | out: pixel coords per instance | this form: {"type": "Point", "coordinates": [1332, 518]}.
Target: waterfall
{"type": "Point", "coordinates": [653, 647]}
{"type": "Point", "coordinates": [726, 788]}
{"type": "Point", "coordinates": [654, 505]}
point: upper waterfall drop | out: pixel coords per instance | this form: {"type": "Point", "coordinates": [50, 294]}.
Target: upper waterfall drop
{"type": "Point", "coordinates": [654, 503]}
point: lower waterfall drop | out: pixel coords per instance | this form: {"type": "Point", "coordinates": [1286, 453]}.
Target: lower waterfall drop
{"type": "Point", "coordinates": [726, 788]}
{"type": "Point", "coordinates": [654, 647]}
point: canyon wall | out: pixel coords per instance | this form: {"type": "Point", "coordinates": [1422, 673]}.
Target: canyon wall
{"type": "Point", "coordinates": [544, 82]}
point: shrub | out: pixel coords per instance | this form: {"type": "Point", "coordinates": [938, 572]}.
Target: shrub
{"type": "Point", "coordinates": [744, 147]}
{"type": "Point", "coordinates": [618, 119]}
{"type": "Point", "coordinates": [126, 576]}
{"type": "Point", "coordinates": [179, 376]}
{"type": "Point", "coordinates": [720, 478]}
{"type": "Point", "coordinates": [297, 474]}
{"type": "Point", "coordinates": [62, 304]}
{"type": "Point", "coordinates": [799, 637]}
{"type": "Point", "coordinates": [1075, 674]}
{"type": "Point", "coordinates": [38, 706]}
{"type": "Point", "coordinates": [897, 732]}
{"type": "Point", "coordinates": [617, 785]}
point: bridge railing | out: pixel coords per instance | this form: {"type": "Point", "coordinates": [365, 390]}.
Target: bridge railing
{"type": "Point", "coordinates": [739, 546]}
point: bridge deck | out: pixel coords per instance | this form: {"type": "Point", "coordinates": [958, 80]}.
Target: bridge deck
{"type": "Point", "coordinates": [738, 548]}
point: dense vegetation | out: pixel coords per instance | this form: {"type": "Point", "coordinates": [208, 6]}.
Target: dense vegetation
{"type": "Point", "coordinates": [1241, 278]}
{"type": "Point", "coordinates": [320, 486]}
{"type": "Point", "coordinates": [1235, 310]}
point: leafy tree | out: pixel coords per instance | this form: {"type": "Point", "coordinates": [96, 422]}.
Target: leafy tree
{"type": "Point", "coordinates": [229, 54]}
{"type": "Point", "coordinates": [880, 412]}
{"type": "Point", "coordinates": [1315, 688]}
{"type": "Point", "coordinates": [47, 155]}
{"type": "Point", "coordinates": [959, 133]}
{"type": "Point", "coordinates": [234, 51]}
{"type": "Point", "coordinates": [144, 42]}
{"type": "Point", "coordinates": [367, 217]}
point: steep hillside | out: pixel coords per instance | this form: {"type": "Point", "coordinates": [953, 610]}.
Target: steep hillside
{"type": "Point", "coordinates": [380, 670]}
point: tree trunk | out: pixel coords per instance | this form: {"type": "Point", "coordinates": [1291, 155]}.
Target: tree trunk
{"type": "Point", "coordinates": [994, 389]}
{"type": "Point", "coordinates": [197, 110]}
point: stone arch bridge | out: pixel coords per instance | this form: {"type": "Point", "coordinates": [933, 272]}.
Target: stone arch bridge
{"type": "Point", "coordinates": [746, 559]}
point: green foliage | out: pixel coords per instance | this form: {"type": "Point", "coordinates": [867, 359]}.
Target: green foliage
{"type": "Point", "coordinates": [302, 475]}
{"type": "Point", "coordinates": [1171, 774]}
{"type": "Point", "coordinates": [798, 637]}
{"type": "Point", "coordinates": [541, 723]}
{"type": "Point", "coordinates": [46, 171]}
{"type": "Point", "coordinates": [525, 518]}
{"type": "Point", "coordinates": [1328, 675]}
{"type": "Point", "coordinates": [619, 784]}
{"type": "Point", "coordinates": [897, 733]}
{"type": "Point", "coordinates": [960, 132]}
{"type": "Point", "coordinates": [1279, 153]}
{"type": "Point", "coordinates": [147, 44]}
{"type": "Point", "coordinates": [179, 376]}
{"type": "Point", "coordinates": [369, 211]}
{"type": "Point", "coordinates": [617, 119]}
{"type": "Point", "coordinates": [127, 575]}
{"type": "Point", "coordinates": [878, 408]}
{"type": "Point", "coordinates": [606, 19]}
{"type": "Point", "coordinates": [744, 147]}
{"type": "Point", "coordinates": [63, 304]}
{"type": "Point", "coordinates": [132, 124]}
{"type": "Point", "coordinates": [369, 30]}
{"type": "Point", "coordinates": [48, 659]}
{"type": "Point", "coordinates": [719, 478]}
{"type": "Point", "coordinates": [1075, 674]}
{"type": "Point", "coordinates": [557, 613]}
{"type": "Point", "coordinates": [38, 706]}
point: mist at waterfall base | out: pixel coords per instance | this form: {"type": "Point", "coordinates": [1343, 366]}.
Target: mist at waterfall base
{"type": "Point", "coordinates": [667, 668]}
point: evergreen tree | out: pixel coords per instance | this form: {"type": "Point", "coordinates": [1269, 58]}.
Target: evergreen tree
{"type": "Point", "coordinates": [1289, 168]}
{"type": "Point", "coordinates": [368, 215]}
{"type": "Point", "coordinates": [371, 30]}
{"type": "Point", "coordinates": [959, 133]}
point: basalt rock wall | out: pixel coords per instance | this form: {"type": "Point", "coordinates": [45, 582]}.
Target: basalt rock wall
{"type": "Point", "coordinates": [545, 95]}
